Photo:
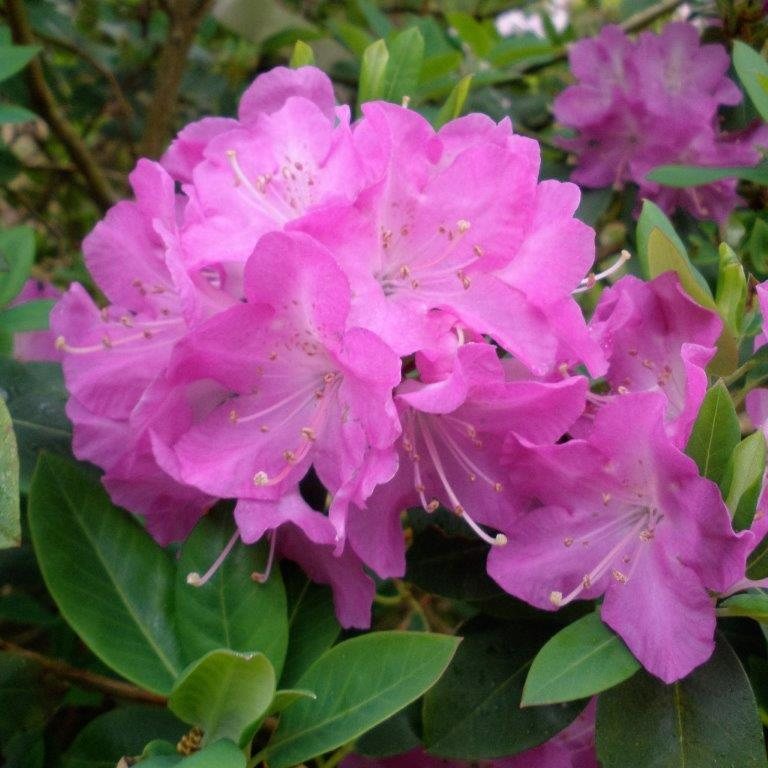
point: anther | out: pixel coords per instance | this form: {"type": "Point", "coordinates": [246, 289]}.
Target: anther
{"type": "Point", "coordinates": [60, 343]}
{"type": "Point", "coordinates": [433, 505]}
{"type": "Point", "coordinates": [465, 281]}
{"type": "Point", "coordinates": [308, 433]}
{"type": "Point", "coordinates": [463, 226]}
{"type": "Point", "coordinates": [233, 416]}
{"type": "Point", "coordinates": [289, 456]}
{"type": "Point", "coordinates": [556, 598]}
{"type": "Point", "coordinates": [261, 478]}
{"type": "Point", "coordinates": [568, 541]}
{"type": "Point", "coordinates": [478, 251]}
{"type": "Point", "coordinates": [498, 487]}
{"type": "Point", "coordinates": [194, 579]}
{"type": "Point", "coordinates": [606, 498]}
{"type": "Point", "coordinates": [619, 576]}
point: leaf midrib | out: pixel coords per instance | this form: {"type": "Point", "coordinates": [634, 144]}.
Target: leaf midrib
{"type": "Point", "coordinates": [322, 724]}
{"type": "Point", "coordinates": [169, 666]}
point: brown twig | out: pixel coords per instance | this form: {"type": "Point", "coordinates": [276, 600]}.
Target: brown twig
{"type": "Point", "coordinates": [83, 677]}
{"type": "Point", "coordinates": [185, 16]}
{"type": "Point", "coordinates": [45, 103]}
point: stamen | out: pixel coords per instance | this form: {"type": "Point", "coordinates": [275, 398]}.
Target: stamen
{"type": "Point", "coordinates": [194, 579]}
{"type": "Point", "coordinates": [262, 576]}
{"type": "Point", "coordinates": [500, 539]}
{"type": "Point", "coordinates": [589, 281]}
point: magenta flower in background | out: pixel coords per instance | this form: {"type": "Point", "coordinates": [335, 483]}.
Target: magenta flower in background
{"type": "Point", "coordinates": [626, 515]}
{"type": "Point", "coordinates": [649, 102]}
{"type": "Point", "coordinates": [39, 346]}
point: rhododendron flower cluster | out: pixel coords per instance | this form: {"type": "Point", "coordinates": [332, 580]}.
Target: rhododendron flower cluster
{"type": "Point", "coordinates": [638, 104]}
{"type": "Point", "coordinates": [390, 310]}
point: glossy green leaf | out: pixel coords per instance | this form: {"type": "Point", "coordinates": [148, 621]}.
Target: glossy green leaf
{"type": "Point", "coordinates": [312, 623]}
{"type": "Point", "coordinates": [652, 217]}
{"type": "Point", "coordinates": [121, 732]}
{"type": "Point", "coordinates": [10, 526]}
{"type": "Point", "coordinates": [695, 175]}
{"type": "Point", "coordinates": [220, 754]}
{"type": "Point", "coordinates": [665, 255]}
{"type": "Point", "coordinates": [474, 711]}
{"type": "Point", "coordinates": [731, 293]}
{"type": "Point", "coordinates": [230, 610]}
{"type": "Point", "coordinates": [30, 316]}
{"type": "Point", "coordinates": [35, 396]}
{"type": "Point", "coordinates": [112, 583]}
{"type": "Point", "coordinates": [751, 605]}
{"type": "Point", "coordinates": [450, 566]}
{"type": "Point", "coordinates": [17, 253]}
{"type": "Point", "coordinates": [285, 697]}
{"type": "Point", "coordinates": [454, 104]}
{"type": "Point", "coordinates": [13, 58]}
{"type": "Point", "coordinates": [396, 735]}
{"type": "Point", "coordinates": [226, 694]}
{"type": "Point", "coordinates": [583, 659]}
{"type": "Point", "coordinates": [12, 113]}
{"type": "Point", "coordinates": [359, 683]}
{"type": "Point", "coordinates": [743, 479]}
{"type": "Point", "coordinates": [302, 56]}
{"type": "Point", "coordinates": [709, 718]}
{"type": "Point", "coordinates": [406, 53]}
{"type": "Point", "coordinates": [373, 73]}
{"type": "Point", "coordinates": [752, 70]}
{"type": "Point", "coordinates": [716, 432]}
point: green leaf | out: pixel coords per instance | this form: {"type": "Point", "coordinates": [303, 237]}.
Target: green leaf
{"type": "Point", "coordinates": [373, 73]}
{"type": "Point", "coordinates": [284, 698]}
{"type": "Point", "coordinates": [10, 525]}
{"type": "Point", "coordinates": [743, 479]}
{"type": "Point", "coordinates": [35, 396]}
{"type": "Point", "coordinates": [695, 175]}
{"type": "Point", "coordinates": [652, 217]}
{"type": "Point", "coordinates": [757, 246]}
{"type": "Point", "coordinates": [17, 252]}
{"type": "Point", "coordinates": [708, 719]}
{"type": "Point", "coordinates": [753, 73]}
{"type": "Point", "coordinates": [302, 56]}
{"type": "Point", "coordinates": [121, 732]}
{"type": "Point", "coordinates": [112, 583]}
{"type": "Point", "coordinates": [230, 610]}
{"type": "Point", "coordinates": [11, 113]}
{"type": "Point", "coordinates": [581, 660]}
{"type": "Point", "coordinates": [13, 58]}
{"type": "Point", "coordinates": [377, 20]}
{"type": "Point", "coordinates": [664, 255]}
{"type": "Point", "coordinates": [752, 605]}
{"type": "Point", "coordinates": [22, 700]}
{"type": "Point", "coordinates": [474, 711]}
{"type": "Point", "coordinates": [401, 76]}
{"type": "Point", "coordinates": [29, 316]}
{"type": "Point", "coordinates": [454, 104]}
{"type": "Point", "coordinates": [396, 735]}
{"type": "Point", "coordinates": [731, 294]}
{"type": "Point", "coordinates": [221, 754]}
{"type": "Point", "coordinates": [226, 694]}
{"type": "Point", "coordinates": [312, 625]}
{"type": "Point", "coordinates": [478, 37]}
{"type": "Point", "coordinates": [450, 566]}
{"type": "Point", "coordinates": [359, 683]}
{"type": "Point", "coordinates": [716, 432]}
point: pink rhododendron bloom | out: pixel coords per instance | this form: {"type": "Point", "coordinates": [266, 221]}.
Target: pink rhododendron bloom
{"type": "Point", "coordinates": [658, 339]}
{"type": "Point", "coordinates": [308, 538]}
{"type": "Point", "coordinates": [626, 515]}
{"type": "Point", "coordinates": [454, 430]}
{"type": "Point", "coordinates": [626, 89]}
{"type": "Point", "coordinates": [416, 241]}
{"type": "Point", "coordinates": [265, 389]}
{"type": "Point", "coordinates": [37, 346]}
